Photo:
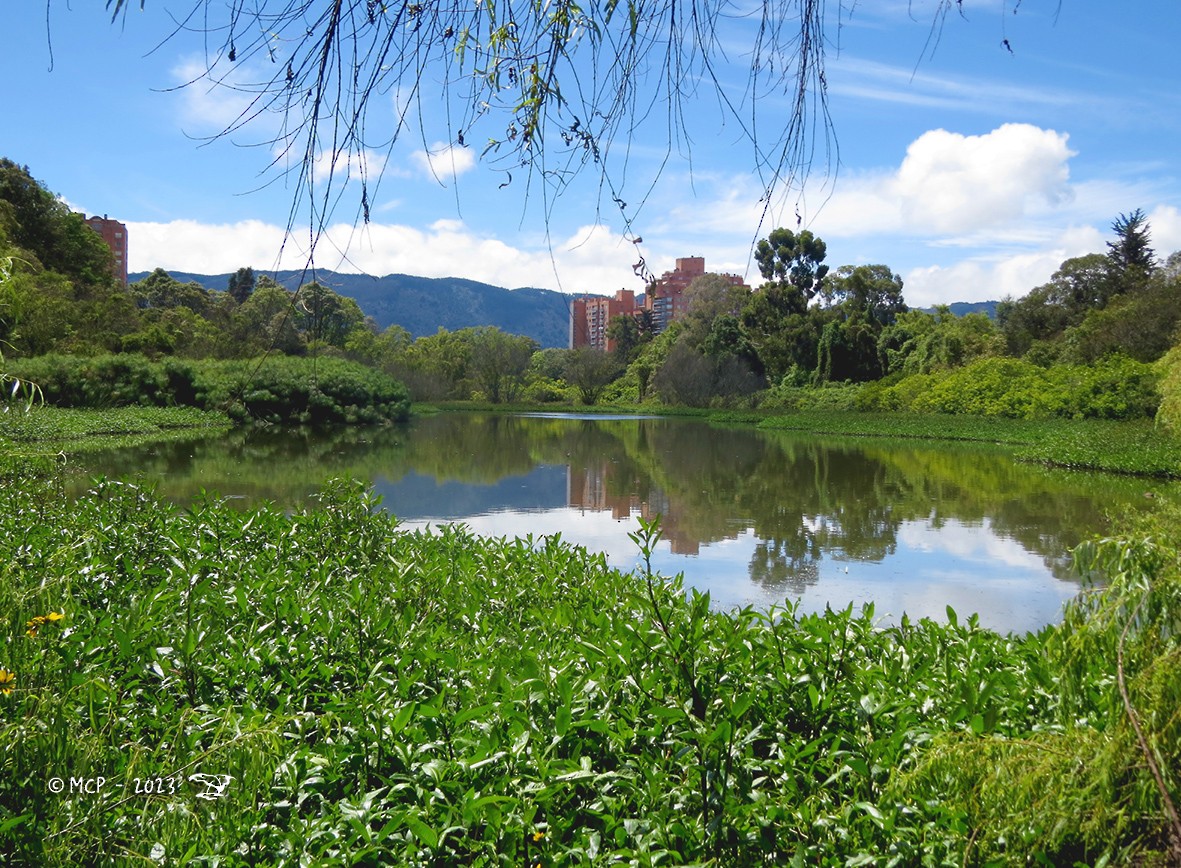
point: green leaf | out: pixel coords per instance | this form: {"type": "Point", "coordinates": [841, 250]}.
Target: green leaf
{"type": "Point", "coordinates": [424, 832]}
{"type": "Point", "coordinates": [562, 720]}
{"type": "Point", "coordinates": [402, 717]}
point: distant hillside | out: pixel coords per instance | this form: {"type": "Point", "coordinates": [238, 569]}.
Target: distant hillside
{"type": "Point", "coordinates": [960, 308]}
{"type": "Point", "coordinates": [422, 304]}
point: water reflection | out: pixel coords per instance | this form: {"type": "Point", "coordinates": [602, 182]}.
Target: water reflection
{"type": "Point", "coordinates": [752, 516]}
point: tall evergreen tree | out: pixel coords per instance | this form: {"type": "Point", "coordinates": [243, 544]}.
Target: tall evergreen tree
{"type": "Point", "coordinates": [1130, 253]}
{"type": "Point", "coordinates": [241, 284]}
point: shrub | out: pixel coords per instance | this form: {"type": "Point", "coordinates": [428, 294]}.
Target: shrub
{"type": "Point", "coordinates": [1115, 388]}
{"type": "Point", "coordinates": [1169, 371]}
{"type": "Point", "coordinates": [274, 389]}
{"type": "Point", "coordinates": [304, 390]}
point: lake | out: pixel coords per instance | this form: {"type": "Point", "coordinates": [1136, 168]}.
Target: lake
{"type": "Point", "coordinates": [753, 517]}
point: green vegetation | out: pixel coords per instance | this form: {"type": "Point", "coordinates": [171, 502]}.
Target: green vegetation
{"type": "Point", "coordinates": [382, 697]}
{"type": "Point", "coordinates": [39, 438]}
{"type": "Point", "coordinates": [1122, 447]}
{"type": "Point", "coordinates": [1087, 345]}
{"type": "Point", "coordinates": [52, 425]}
{"type": "Point", "coordinates": [272, 389]}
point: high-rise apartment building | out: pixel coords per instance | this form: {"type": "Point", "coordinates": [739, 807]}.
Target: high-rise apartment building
{"type": "Point", "coordinates": [114, 234]}
{"type": "Point", "coordinates": [666, 296]}
{"type": "Point", "coordinates": [665, 301]}
{"type": "Point", "coordinates": [590, 316]}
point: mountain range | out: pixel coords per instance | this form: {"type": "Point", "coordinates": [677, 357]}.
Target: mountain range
{"type": "Point", "coordinates": [423, 305]}
{"type": "Point", "coordinates": [962, 308]}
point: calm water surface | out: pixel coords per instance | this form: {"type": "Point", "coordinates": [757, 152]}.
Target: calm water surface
{"type": "Point", "coordinates": [753, 517]}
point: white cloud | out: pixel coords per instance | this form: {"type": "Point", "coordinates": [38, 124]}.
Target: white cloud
{"type": "Point", "coordinates": [443, 161]}
{"type": "Point", "coordinates": [950, 183]}
{"type": "Point", "coordinates": [1007, 272]}
{"type": "Point", "coordinates": [1165, 224]}
{"type": "Point", "coordinates": [349, 166]}
{"type": "Point", "coordinates": [961, 218]}
{"type": "Point", "coordinates": [970, 542]}
{"type": "Point", "coordinates": [592, 259]}
{"type": "Point", "coordinates": [207, 103]}
{"type": "Point", "coordinates": [954, 183]}
{"type": "Point", "coordinates": [201, 248]}
{"type": "Point", "coordinates": [881, 82]}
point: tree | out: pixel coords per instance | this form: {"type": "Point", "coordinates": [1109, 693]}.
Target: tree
{"type": "Point", "coordinates": [326, 317]}
{"type": "Point", "coordinates": [161, 290]}
{"type": "Point", "coordinates": [862, 300]}
{"type": "Point", "coordinates": [267, 320]}
{"type": "Point", "coordinates": [776, 319]}
{"type": "Point", "coordinates": [1141, 324]}
{"type": "Point", "coordinates": [241, 284]}
{"type": "Point", "coordinates": [1130, 254]}
{"type": "Point", "coordinates": [1172, 266]}
{"type": "Point", "coordinates": [707, 298]}
{"type": "Point", "coordinates": [686, 377]}
{"type": "Point", "coordinates": [1081, 284]}
{"type": "Point", "coordinates": [918, 342]}
{"type": "Point", "coordinates": [44, 226]}
{"type": "Point", "coordinates": [625, 333]}
{"type": "Point", "coordinates": [590, 371]}
{"type": "Point", "coordinates": [871, 290]}
{"type": "Point", "coordinates": [499, 361]}
{"type": "Point", "coordinates": [794, 263]}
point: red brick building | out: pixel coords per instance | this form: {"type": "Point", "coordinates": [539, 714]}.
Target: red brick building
{"type": "Point", "coordinates": [590, 316]}
{"type": "Point", "coordinates": [665, 300]}
{"type": "Point", "coordinates": [666, 296]}
{"type": "Point", "coordinates": [115, 234]}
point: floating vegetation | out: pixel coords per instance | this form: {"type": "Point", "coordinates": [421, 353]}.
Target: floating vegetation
{"type": "Point", "coordinates": [385, 697]}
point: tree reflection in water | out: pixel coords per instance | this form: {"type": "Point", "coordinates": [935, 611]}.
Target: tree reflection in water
{"type": "Point", "coordinates": [797, 499]}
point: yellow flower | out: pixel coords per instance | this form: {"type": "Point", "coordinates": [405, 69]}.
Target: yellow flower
{"type": "Point", "coordinates": [36, 623]}
{"type": "Point", "coordinates": [7, 679]}
{"type": "Point", "coordinates": [537, 836]}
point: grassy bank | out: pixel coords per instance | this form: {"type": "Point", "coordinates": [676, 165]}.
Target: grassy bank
{"type": "Point", "coordinates": [1137, 447]}
{"type": "Point", "coordinates": [389, 698]}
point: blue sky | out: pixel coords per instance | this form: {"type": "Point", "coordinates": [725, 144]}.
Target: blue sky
{"type": "Point", "coordinates": [970, 170]}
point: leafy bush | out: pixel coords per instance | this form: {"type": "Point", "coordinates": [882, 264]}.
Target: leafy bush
{"type": "Point", "coordinates": [96, 381]}
{"type": "Point", "coordinates": [1114, 388]}
{"type": "Point", "coordinates": [1169, 371]}
{"type": "Point", "coordinates": [273, 389]}
{"type": "Point", "coordinates": [547, 390]}
{"type": "Point", "coordinates": [990, 387]}
{"type": "Point", "coordinates": [830, 396]}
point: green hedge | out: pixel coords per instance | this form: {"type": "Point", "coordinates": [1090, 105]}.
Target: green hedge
{"type": "Point", "coordinates": [272, 389]}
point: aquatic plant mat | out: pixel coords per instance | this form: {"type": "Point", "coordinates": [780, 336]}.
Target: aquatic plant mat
{"type": "Point", "coordinates": [202, 685]}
